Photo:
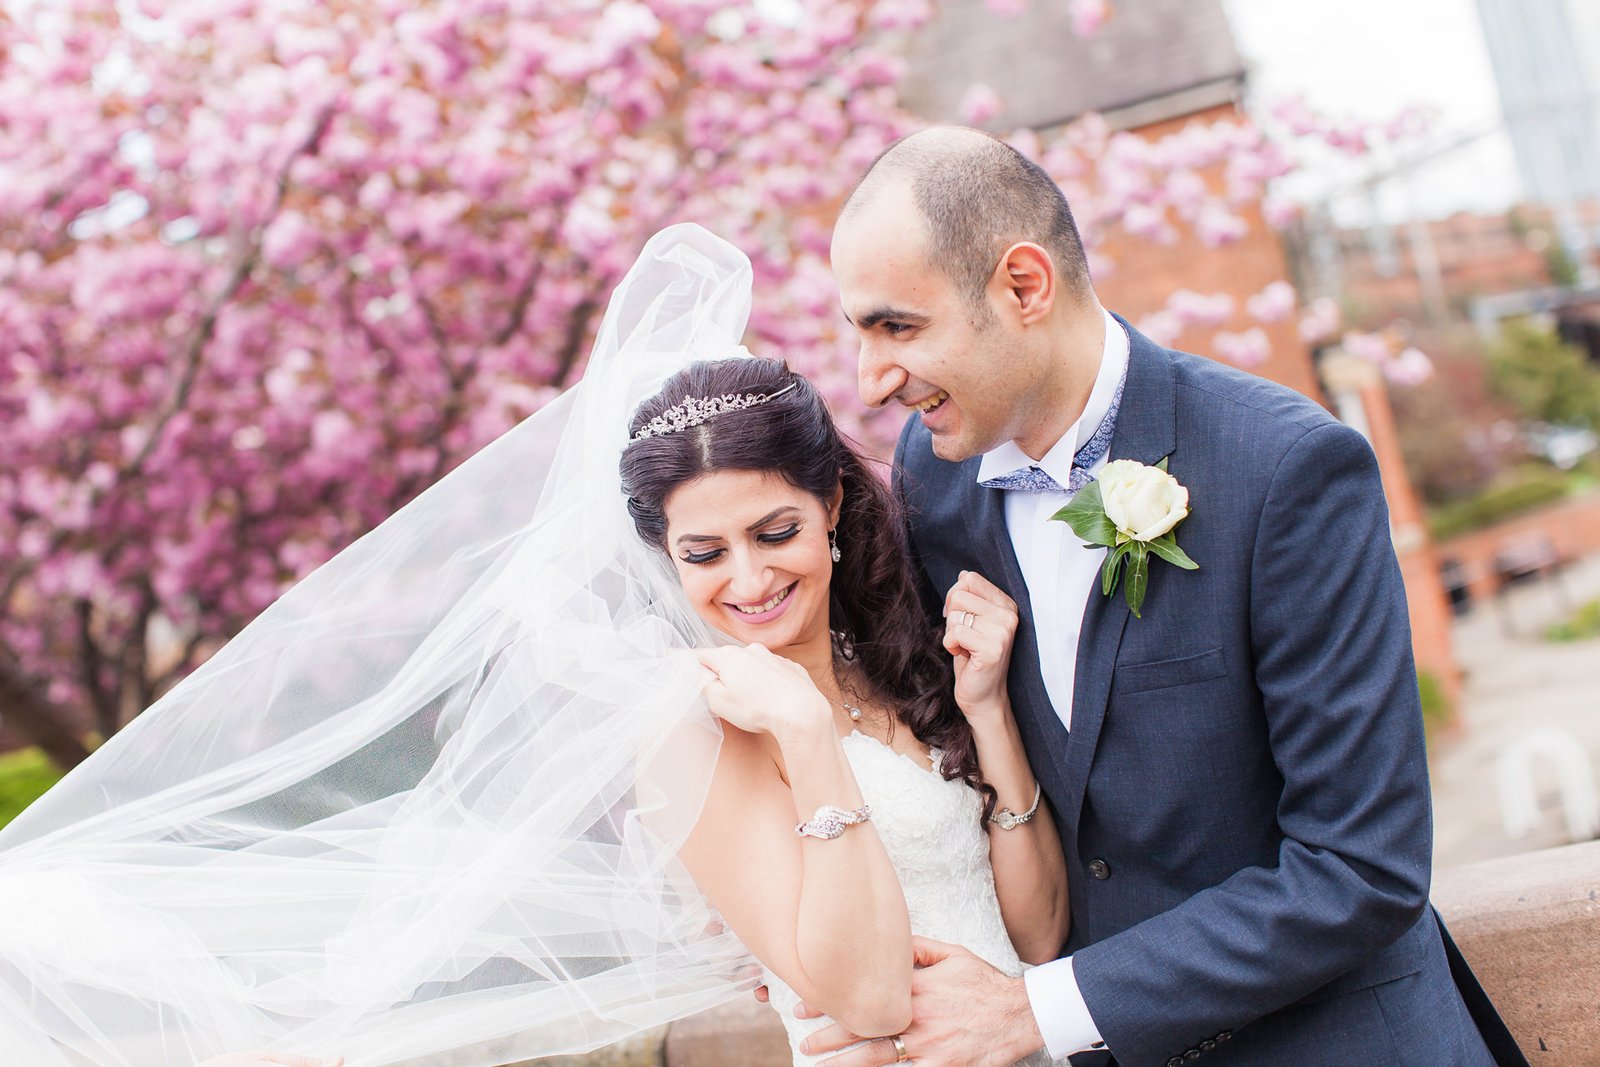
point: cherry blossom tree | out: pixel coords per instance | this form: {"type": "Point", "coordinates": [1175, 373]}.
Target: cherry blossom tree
{"type": "Point", "coordinates": [268, 268]}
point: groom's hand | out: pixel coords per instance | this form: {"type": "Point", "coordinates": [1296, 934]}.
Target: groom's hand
{"type": "Point", "coordinates": [964, 1013]}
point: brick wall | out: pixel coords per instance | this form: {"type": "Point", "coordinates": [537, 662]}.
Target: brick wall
{"type": "Point", "coordinates": [1145, 274]}
{"type": "Point", "coordinates": [1571, 527]}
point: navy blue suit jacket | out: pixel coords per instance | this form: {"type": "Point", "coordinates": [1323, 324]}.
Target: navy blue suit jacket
{"type": "Point", "coordinates": [1243, 797]}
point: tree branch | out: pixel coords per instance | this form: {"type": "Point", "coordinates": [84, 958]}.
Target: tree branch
{"type": "Point", "coordinates": [31, 715]}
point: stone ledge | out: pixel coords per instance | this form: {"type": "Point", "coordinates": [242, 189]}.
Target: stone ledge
{"type": "Point", "coordinates": [1528, 924]}
{"type": "Point", "coordinates": [1530, 927]}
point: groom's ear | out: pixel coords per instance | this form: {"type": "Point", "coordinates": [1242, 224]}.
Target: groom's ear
{"type": "Point", "coordinates": [1026, 277]}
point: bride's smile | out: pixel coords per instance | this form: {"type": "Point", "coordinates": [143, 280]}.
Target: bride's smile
{"type": "Point", "coordinates": [753, 555]}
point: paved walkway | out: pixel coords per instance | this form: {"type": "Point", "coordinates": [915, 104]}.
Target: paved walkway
{"type": "Point", "coordinates": [1516, 682]}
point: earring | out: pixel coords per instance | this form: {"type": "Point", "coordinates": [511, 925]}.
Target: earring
{"type": "Point", "coordinates": [833, 545]}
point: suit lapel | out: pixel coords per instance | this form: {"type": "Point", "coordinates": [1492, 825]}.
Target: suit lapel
{"type": "Point", "coordinates": [1144, 432]}
{"type": "Point", "coordinates": [1043, 734]}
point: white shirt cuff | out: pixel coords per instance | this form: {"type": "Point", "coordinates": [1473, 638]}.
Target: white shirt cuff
{"type": "Point", "coordinates": [1059, 1009]}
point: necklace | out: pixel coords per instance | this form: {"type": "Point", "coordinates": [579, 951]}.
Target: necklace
{"type": "Point", "coordinates": [851, 710]}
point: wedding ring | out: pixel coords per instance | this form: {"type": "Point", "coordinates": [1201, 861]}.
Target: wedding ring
{"type": "Point", "coordinates": [969, 617]}
{"type": "Point", "coordinates": [900, 1053]}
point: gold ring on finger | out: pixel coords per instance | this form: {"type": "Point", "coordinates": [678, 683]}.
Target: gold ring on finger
{"type": "Point", "coordinates": [900, 1053]}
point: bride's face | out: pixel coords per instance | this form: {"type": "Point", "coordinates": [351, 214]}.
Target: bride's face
{"type": "Point", "coordinates": [752, 554]}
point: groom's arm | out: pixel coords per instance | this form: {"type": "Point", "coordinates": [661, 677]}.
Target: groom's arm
{"type": "Point", "coordinates": [1332, 649]}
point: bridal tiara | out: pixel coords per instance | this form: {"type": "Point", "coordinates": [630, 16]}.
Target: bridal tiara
{"type": "Point", "coordinates": [693, 411]}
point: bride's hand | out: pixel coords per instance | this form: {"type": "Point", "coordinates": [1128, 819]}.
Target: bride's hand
{"type": "Point", "coordinates": [759, 691]}
{"type": "Point", "coordinates": [980, 623]}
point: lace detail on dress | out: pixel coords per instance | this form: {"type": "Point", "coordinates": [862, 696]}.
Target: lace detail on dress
{"type": "Point", "coordinates": [929, 827]}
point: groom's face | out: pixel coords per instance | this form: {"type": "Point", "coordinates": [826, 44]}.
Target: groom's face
{"type": "Point", "coordinates": [924, 345]}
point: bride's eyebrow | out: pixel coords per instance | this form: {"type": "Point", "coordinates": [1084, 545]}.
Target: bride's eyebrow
{"type": "Point", "coordinates": [694, 539]}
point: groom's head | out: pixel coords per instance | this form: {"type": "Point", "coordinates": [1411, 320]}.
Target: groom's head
{"type": "Point", "coordinates": [962, 271]}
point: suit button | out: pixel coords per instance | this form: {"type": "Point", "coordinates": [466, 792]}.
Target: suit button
{"type": "Point", "coordinates": [1100, 869]}
{"type": "Point", "coordinates": [1224, 1036]}
{"type": "Point", "coordinates": [1176, 1061]}
{"type": "Point", "coordinates": [1207, 1046]}
{"type": "Point", "coordinates": [1192, 1054]}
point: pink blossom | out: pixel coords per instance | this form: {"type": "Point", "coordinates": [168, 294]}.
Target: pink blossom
{"type": "Point", "coordinates": [1410, 368]}
{"type": "Point", "coordinates": [289, 241]}
{"type": "Point", "coordinates": [1196, 309]}
{"type": "Point", "coordinates": [1279, 211]}
{"type": "Point", "coordinates": [1163, 327]}
{"type": "Point", "coordinates": [1248, 349]}
{"type": "Point", "coordinates": [901, 14]}
{"type": "Point", "coordinates": [1320, 321]}
{"type": "Point", "coordinates": [979, 104]}
{"type": "Point", "coordinates": [1088, 16]}
{"type": "Point", "coordinates": [1274, 303]}
{"type": "Point", "coordinates": [1297, 114]}
{"type": "Point", "coordinates": [1150, 222]}
{"type": "Point", "coordinates": [1217, 226]}
{"type": "Point", "coordinates": [1372, 347]}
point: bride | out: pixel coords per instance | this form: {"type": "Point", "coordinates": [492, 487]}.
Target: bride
{"type": "Point", "coordinates": [459, 791]}
{"type": "Point", "coordinates": [859, 796]}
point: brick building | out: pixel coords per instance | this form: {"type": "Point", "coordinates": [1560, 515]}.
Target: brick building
{"type": "Point", "coordinates": [1154, 67]}
{"type": "Point", "coordinates": [1435, 273]}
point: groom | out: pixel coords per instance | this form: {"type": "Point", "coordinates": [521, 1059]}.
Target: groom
{"type": "Point", "coordinates": [1238, 775]}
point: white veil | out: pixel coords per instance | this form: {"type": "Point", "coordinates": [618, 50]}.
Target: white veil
{"type": "Point", "coordinates": [429, 800]}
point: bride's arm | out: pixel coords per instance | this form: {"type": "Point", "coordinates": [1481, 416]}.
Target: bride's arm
{"type": "Point", "coordinates": [827, 916]}
{"type": "Point", "coordinates": [1030, 873]}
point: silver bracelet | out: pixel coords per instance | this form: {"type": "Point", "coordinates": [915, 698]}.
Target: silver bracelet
{"type": "Point", "coordinates": [1007, 819]}
{"type": "Point", "coordinates": [828, 821]}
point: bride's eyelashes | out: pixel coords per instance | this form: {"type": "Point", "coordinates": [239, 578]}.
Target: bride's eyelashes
{"type": "Point", "coordinates": [778, 538]}
{"type": "Point", "coordinates": [775, 538]}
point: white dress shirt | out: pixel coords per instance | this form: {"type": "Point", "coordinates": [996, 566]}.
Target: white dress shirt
{"type": "Point", "coordinates": [1060, 573]}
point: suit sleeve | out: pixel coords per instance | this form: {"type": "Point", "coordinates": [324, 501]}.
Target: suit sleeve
{"type": "Point", "coordinates": [1331, 644]}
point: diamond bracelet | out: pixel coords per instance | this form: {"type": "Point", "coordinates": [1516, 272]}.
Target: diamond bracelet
{"type": "Point", "coordinates": [1007, 819]}
{"type": "Point", "coordinates": [829, 821]}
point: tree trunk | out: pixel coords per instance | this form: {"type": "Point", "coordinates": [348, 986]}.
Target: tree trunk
{"type": "Point", "coordinates": [30, 715]}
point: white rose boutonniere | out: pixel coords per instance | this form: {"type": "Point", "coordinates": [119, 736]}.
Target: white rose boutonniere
{"type": "Point", "coordinates": [1131, 508]}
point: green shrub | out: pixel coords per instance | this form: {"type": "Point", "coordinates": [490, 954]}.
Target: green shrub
{"type": "Point", "coordinates": [24, 777]}
{"type": "Point", "coordinates": [1435, 705]}
{"type": "Point", "coordinates": [1585, 622]}
{"type": "Point", "coordinates": [1529, 488]}
{"type": "Point", "coordinates": [1544, 378]}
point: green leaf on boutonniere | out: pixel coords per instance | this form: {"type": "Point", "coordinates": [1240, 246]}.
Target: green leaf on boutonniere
{"type": "Point", "coordinates": [1138, 577]}
{"type": "Point", "coordinates": [1166, 546]}
{"type": "Point", "coordinates": [1113, 564]}
{"type": "Point", "coordinates": [1086, 514]}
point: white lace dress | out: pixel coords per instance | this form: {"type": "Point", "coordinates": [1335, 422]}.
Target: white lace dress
{"type": "Point", "coordinates": [930, 829]}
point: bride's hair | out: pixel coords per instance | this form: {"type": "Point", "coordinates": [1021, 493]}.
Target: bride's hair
{"type": "Point", "coordinates": [873, 603]}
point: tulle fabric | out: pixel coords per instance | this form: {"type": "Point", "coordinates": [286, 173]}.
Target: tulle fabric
{"type": "Point", "coordinates": [429, 800]}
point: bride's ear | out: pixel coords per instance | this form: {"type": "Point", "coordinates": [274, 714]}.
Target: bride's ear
{"type": "Point", "coordinates": [835, 504]}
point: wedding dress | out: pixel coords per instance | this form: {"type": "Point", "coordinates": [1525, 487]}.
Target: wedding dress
{"type": "Point", "coordinates": [930, 829]}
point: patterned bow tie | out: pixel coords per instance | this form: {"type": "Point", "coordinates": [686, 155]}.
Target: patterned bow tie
{"type": "Point", "coordinates": [1033, 480]}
